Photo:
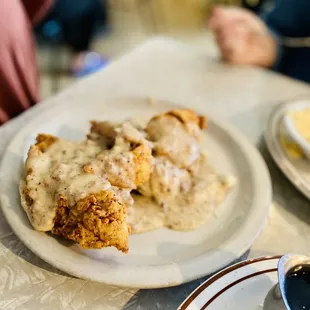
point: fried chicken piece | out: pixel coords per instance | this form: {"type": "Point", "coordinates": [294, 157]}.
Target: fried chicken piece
{"type": "Point", "coordinates": [128, 163]}
{"type": "Point", "coordinates": [187, 116]}
{"type": "Point", "coordinates": [142, 156]}
{"type": "Point", "coordinates": [166, 182]}
{"type": "Point", "coordinates": [125, 169]}
{"type": "Point", "coordinates": [33, 187]}
{"type": "Point", "coordinates": [176, 147]}
{"type": "Point", "coordinates": [59, 196]}
{"type": "Point", "coordinates": [94, 222]}
{"type": "Point", "coordinates": [103, 133]}
{"type": "Point", "coordinates": [176, 135]}
{"type": "Point", "coordinates": [107, 132]}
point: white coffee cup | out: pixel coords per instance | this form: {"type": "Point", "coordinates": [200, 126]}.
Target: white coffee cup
{"type": "Point", "coordinates": [276, 299]}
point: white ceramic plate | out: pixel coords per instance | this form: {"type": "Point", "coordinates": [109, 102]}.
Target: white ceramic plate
{"type": "Point", "coordinates": [242, 286]}
{"type": "Point", "coordinates": [296, 170]}
{"type": "Point", "coordinates": [163, 257]}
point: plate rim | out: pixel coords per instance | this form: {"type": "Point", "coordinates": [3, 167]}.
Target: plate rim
{"type": "Point", "coordinates": [255, 160]}
{"type": "Point", "coordinates": [202, 287]}
{"type": "Point", "coordinates": [277, 152]}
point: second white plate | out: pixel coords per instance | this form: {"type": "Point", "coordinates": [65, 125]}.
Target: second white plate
{"type": "Point", "coordinates": [163, 257]}
{"type": "Point", "coordinates": [296, 170]}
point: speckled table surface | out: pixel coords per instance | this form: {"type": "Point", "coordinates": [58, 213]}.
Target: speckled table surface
{"type": "Point", "coordinates": [164, 69]}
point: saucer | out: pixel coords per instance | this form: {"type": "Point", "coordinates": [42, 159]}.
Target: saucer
{"type": "Point", "coordinates": [242, 286]}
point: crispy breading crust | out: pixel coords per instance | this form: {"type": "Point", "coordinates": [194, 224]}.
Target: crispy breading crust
{"type": "Point", "coordinates": [185, 116]}
{"type": "Point", "coordinates": [43, 141]}
{"type": "Point", "coordinates": [142, 159]}
{"type": "Point", "coordinates": [94, 222]}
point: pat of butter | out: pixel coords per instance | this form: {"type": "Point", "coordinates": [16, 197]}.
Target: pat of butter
{"type": "Point", "coordinates": [301, 121]}
{"type": "Point", "coordinates": [291, 148]}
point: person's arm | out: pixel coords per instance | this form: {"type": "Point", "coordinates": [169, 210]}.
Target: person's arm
{"type": "Point", "coordinates": [277, 36]}
{"type": "Point", "coordinates": [37, 9]}
{"type": "Point", "coordinates": [243, 38]}
{"type": "Point", "coordinates": [289, 18]}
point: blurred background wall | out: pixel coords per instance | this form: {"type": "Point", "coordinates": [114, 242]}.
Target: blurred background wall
{"type": "Point", "coordinates": [122, 25]}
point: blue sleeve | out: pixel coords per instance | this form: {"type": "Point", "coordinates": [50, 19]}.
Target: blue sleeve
{"type": "Point", "coordinates": [289, 18]}
{"type": "Point", "coordinates": [280, 48]}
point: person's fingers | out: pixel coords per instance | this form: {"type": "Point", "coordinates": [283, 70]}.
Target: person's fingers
{"type": "Point", "coordinates": [239, 45]}
{"type": "Point", "coordinates": [212, 23]}
{"type": "Point", "coordinates": [227, 48]}
{"type": "Point", "coordinates": [235, 31]}
{"type": "Point", "coordinates": [226, 17]}
{"type": "Point", "coordinates": [239, 15]}
{"type": "Point", "coordinates": [264, 50]}
{"type": "Point", "coordinates": [215, 14]}
{"type": "Point", "coordinates": [233, 13]}
{"type": "Point", "coordinates": [216, 24]}
{"type": "Point", "coordinates": [230, 36]}
{"type": "Point", "coordinates": [251, 50]}
{"type": "Point", "coordinates": [231, 50]}
{"type": "Point", "coordinates": [215, 21]}
{"type": "Point", "coordinates": [232, 43]}
{"type": "Point", "coordinates": [217, 9]}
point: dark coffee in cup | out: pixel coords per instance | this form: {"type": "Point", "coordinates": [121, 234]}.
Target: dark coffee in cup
{"type": "Point", "coordinates": [297, 287]}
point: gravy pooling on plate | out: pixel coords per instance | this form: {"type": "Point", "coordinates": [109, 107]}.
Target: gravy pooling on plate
{"type": "Point", "coordinates": [188, 208]}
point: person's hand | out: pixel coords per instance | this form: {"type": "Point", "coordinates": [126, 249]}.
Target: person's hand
{"type": "Point", "coordinates": [242, 37]}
